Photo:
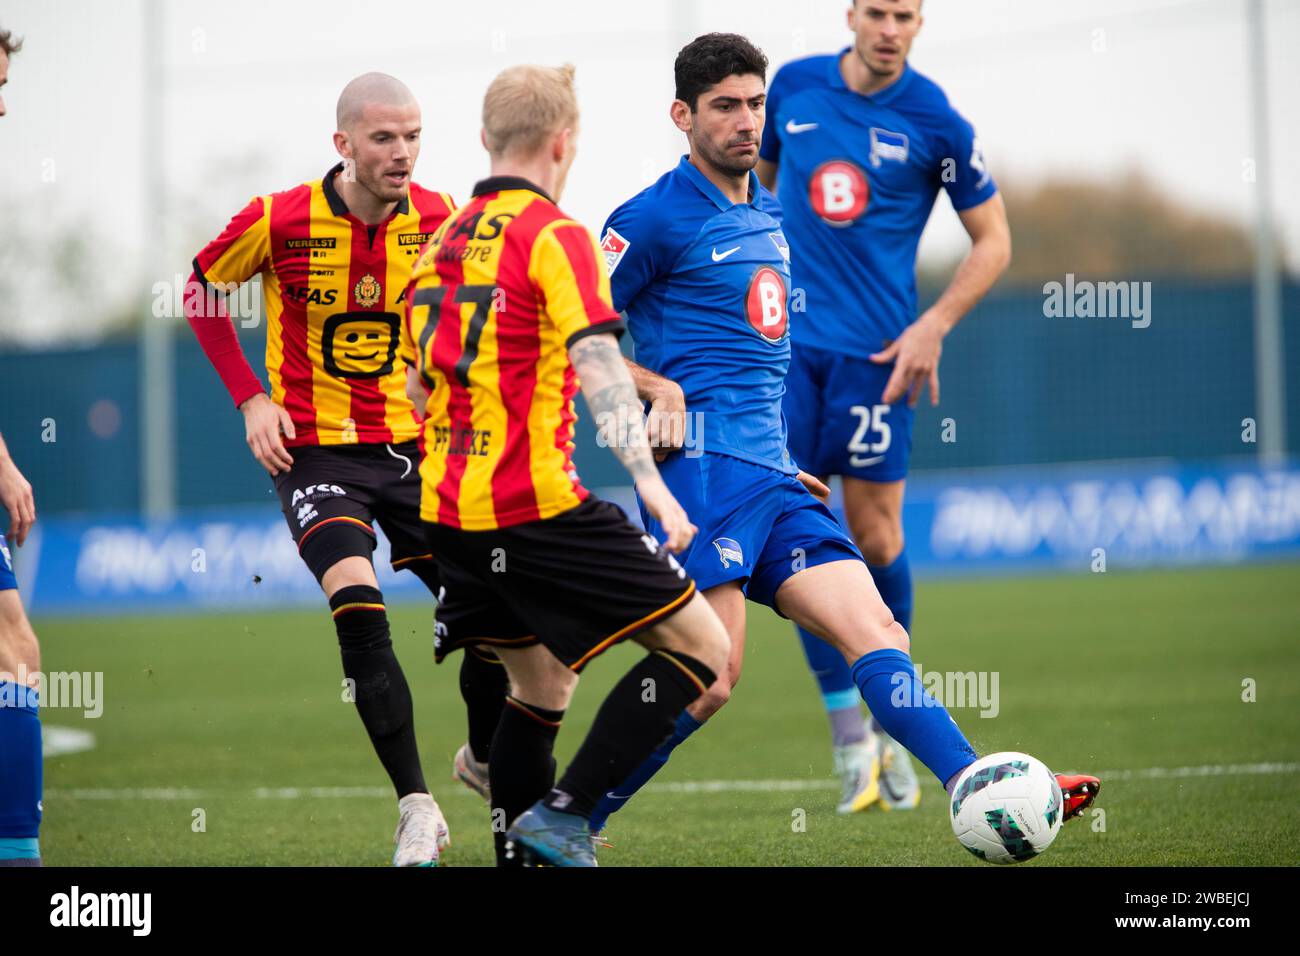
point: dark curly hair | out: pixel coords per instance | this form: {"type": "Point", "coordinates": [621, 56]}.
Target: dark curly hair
{"type": "Point", "coordinates": [8, 44]}
{"type": "Point", "coordinates": [708, 60]}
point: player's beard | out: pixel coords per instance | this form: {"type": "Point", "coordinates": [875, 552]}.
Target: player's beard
{"type": "Point", "coordinates": [381, 188]}
{"type": "Point", "coordinates": [724, 163]}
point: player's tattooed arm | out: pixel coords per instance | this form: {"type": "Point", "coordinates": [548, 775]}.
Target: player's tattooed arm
{"type": "Point", "coordinates": [612, 397]}
{"type": "Point", "coordinates": [666, 423]}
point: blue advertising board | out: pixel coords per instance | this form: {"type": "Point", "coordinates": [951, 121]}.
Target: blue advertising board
{"type": "Point", "coordinates": [988, 521]}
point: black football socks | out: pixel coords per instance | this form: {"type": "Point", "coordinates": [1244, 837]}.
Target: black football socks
{"type": "Point", "coordinates": [378, 686]}
{"type": "Point", "coordinates": [636, 717]}
{"type": "Point", "coordinates": [483, 687]}
{"type": "Point", "coordinates": [522, 769]}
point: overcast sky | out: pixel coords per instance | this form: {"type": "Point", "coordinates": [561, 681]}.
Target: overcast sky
{"type": "Point", "coordinates": [1052, 86]}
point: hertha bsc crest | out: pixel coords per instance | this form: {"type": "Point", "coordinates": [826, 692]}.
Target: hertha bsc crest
{"type": "Point", "coordinates": [368, 291]}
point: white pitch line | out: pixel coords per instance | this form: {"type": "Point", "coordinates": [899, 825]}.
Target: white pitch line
{"type": "Point", "coordinates": [691, 786]}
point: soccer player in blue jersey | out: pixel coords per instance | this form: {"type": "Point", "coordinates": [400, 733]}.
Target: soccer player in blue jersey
{"type": "Point", "coordinates": [863, 145]}
{"type": "Point", "coordinates": [700, 265]}
{"type": "Point", "coordinates": [20, 665]}
{"type": "Point", "coordinates": [20, 656]}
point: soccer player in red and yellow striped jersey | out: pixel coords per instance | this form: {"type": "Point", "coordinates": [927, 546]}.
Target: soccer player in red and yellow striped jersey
{"type": "Point", "coordinates": [508, 314]}
{"type": "Point", "coordinates": [530, 283]}
{"type": "Point", "coordinates": [338, 432]}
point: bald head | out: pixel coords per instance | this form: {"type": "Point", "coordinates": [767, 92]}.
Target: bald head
{"type": "Point", "coordinates": [370, 89]}
{"type": "Point", "coordinates": [379, 139]}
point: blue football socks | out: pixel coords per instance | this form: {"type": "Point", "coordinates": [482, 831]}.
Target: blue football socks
{"type": "Point", "coordinates": [909, 713]}
{"type": "Point", "coordinates": [20, 772]}
{"type": "Point", "coordinates": [615, 799]}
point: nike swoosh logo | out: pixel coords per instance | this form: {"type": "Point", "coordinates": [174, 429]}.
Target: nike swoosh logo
{"type": "Point", "coordinates": [793, 127]}
{"type": "Point", "coordinates": [857, 462]}
{"type": "Point", "coordinates": [718, 257]}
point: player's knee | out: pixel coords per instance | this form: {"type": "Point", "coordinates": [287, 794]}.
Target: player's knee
{"type": "Point", "coordinates": [733, 673]}
{"type": "Point", "coordinates": [552, 691]}
{"type": "Point", "coordinates": [694, 630]}
{"type": "Point", "coordinates": [881, 542]}
{"type": "Point", "coordinates": [361, 619]}
{"type": "Point", "coordinates": [18, 645]}
{"type": "Point", "coordinates": [895, 636]}
{"type": "Point", "coordinates": [713, 699]}
{"type": "Point", "coordinates": [339, 555]}
{"type": "Point", "coordinates": [874, 630]}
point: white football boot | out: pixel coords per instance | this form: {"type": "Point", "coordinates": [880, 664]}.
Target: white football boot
{"type": "Point", "coordinates": [422, 832]}
{"type": "Point", "coordinates": [859, 768]}
{"type": "Point", "coordinates": [899, 788]}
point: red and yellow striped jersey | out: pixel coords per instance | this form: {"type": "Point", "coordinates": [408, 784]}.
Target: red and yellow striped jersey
{"type": "Point", "coordinates": [333, 291]}
{"type": "Point", "coordinates": [507, 284]}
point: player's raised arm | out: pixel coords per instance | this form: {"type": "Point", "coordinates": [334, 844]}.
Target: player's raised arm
{"type": "Point", "coordinates": [616, 408]}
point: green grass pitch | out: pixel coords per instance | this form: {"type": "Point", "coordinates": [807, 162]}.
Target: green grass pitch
{"type": "Point", "coordinates": [1132, 673]}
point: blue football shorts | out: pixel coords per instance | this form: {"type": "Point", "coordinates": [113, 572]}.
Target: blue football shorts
{"type": "Point", "coordinates": [838, 424]}
{"type": "Point", "coordinates": [756, 525]}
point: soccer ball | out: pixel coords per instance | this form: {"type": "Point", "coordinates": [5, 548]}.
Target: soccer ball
{"type": "Point", "coordinates": [1006, 807]}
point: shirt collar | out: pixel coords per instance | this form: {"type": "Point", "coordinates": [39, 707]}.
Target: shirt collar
{"type": "Point", "coordinates": [339, 208]}
{"type": "Point", "coordinates": [498, 184]}
{"type": "Point", "coordinates": [704, 185]}
{"type": "Point", "coordinates": [889, 93]}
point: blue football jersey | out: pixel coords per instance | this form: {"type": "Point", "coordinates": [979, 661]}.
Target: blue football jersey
{"type": "Point", "coordinates": [858, 178]}
{"type": "Point", "coordinates": [705, 285]}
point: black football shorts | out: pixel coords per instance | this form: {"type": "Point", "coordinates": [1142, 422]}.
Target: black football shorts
{"type": "Point", "coordinates": [576, 583]}
{"type": "Point", "coordinates": [353, 486]}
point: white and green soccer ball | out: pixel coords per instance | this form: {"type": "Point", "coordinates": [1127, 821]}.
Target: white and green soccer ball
{"type": "Point", "coordinates": [1006, 807]}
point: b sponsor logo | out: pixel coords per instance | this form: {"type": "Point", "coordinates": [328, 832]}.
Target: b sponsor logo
{"type": "Point", "coordinates": [838, 192]}
{"type": "Point", "coordinates": [765, 304]}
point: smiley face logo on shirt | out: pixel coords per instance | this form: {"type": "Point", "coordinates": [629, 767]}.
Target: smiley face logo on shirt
{"type": "Point", "coordinates": [360, 344]}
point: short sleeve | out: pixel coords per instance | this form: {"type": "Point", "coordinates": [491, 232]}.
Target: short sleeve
{"type": "Point", "coordinates": [241, 251]}
{"type": "Point", "coordinates": [573, 284]}
{"type": "Point", "coordinates": [968, 180]}
{"type": "Point", "coordinates": [630, 246]}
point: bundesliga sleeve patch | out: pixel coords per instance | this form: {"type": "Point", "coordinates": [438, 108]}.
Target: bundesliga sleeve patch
{"type": "Point", "coordinates": [614, 246]}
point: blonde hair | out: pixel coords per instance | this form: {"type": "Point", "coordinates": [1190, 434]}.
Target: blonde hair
{"type": "Point", "coordinates": [525, 105]}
